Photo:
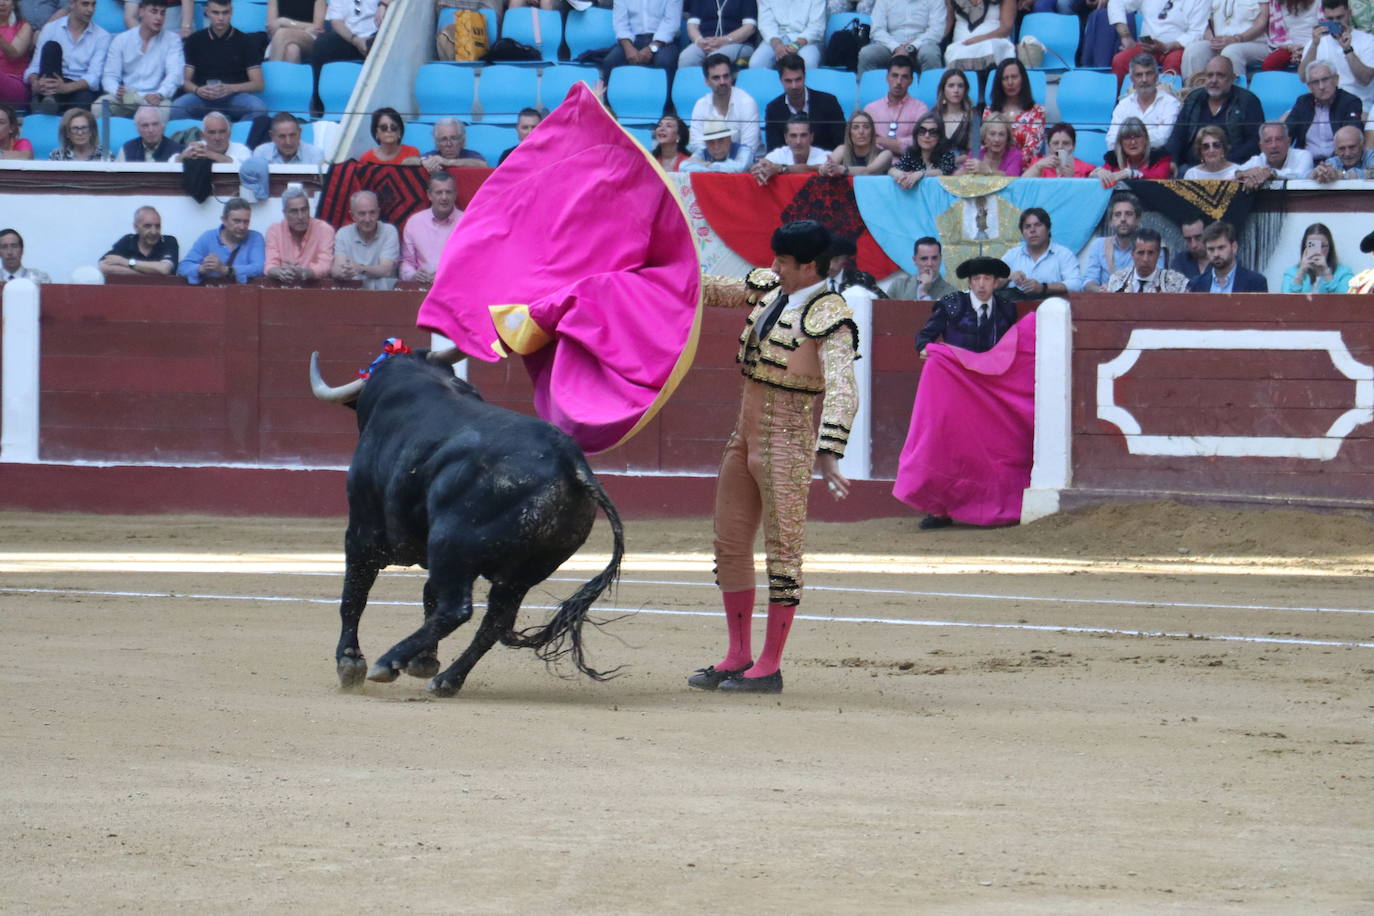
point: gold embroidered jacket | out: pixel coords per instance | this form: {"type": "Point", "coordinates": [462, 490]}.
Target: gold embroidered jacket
{"type": "Point", "coordinates": [810, 348]}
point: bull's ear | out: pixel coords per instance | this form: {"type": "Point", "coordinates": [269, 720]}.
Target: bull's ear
{"type": "Point", "coordinates": [446, 357]}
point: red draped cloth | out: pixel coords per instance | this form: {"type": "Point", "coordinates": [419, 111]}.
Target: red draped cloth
{"type": "Point", "coordinates": [968, 453]}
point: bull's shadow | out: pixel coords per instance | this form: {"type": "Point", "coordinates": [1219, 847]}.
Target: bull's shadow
{"type": "Point", "coordinates": [443, 480]}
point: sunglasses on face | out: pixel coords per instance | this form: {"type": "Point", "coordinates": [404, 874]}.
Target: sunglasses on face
{"type": "Point", "coordinates": [1210, 144]}
{"type": "Point", "coordinates": [928, 131]}
{"type": "Point", "coordinates": [390, 128]}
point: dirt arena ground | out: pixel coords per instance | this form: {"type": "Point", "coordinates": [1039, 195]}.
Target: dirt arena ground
{"type": "Point", "coordinates": [1130, 709]}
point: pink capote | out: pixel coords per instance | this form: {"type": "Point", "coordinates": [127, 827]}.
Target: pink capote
{"type": "Point", "coordinates": [581, 225]}
{"type": "Point", "coordinates": [968, 454]}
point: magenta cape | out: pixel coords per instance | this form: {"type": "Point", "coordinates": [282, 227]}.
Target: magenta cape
{"type": "Point", "coordinates": [581, 226]}
{"type": "Point", "coordinates": [968, 454]}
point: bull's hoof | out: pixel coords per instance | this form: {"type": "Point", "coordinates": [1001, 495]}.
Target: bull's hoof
{"type": "Point", "coordinates": [443, 688]}
{"type": "Point", "coordinates": [351, 671]}
{"type": "Point", "coordinates": [382, 673]}
{"type": "Point", "coordinates": [423, 666]}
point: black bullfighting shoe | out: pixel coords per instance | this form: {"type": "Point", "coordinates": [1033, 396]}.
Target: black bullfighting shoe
{"type": "Point", "coordinates": [710, 678]}
{"type": "Point", "coordinates": [931, 522]}
{"type": "Point", "coordinates": [769, 683]}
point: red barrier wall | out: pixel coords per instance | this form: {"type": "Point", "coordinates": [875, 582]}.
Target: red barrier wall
{"type": "Point", "coordinates": [1280, 393]}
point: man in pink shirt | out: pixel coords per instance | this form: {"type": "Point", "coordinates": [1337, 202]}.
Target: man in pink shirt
{"type": "Point", "coordinates": [895, 114]}
{"type": "Point", "coordinates": [427, 232]}
{"type": "Point", "coordinates": [299, 248]}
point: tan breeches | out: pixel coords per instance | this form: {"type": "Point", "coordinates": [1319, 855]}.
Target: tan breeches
{"type": "Point", "coordinates": [765, 475]}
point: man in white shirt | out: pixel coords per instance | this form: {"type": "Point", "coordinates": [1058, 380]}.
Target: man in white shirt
{"type": "Point", "coordinates": [645, 34]}
{"type": "Point", "coordinates": [1041, 267]}
{"type": "Point", "coordinates": [12, 259]}
{"type": "Point", "coordinates": [1349, 51]}
{"type": "Point", "coordinates": [214, 143]}
{"type": "Point", "coordinates": [725, 102]}
{"type": "Point", "coordinates": [797, 157]}
{"type": "Point", "coordinates": [789, 27]}
{"type": "Point", "coordinates": [1276, 159]}
{"type": "Point", "coordinates": [914, 28]}
{"type": "Point", "coordinates": [1158, 110]}
{"type": "Point", "coordinates": [143, 66]}
{"type": "Point", "coordinates": [1237, 32]}
{"type": "Point", "coordinates": [1144, 275]}
{"type": "Point", "coordinates": [1167, 27]}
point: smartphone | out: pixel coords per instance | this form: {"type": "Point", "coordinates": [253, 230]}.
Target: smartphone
{"type": "Point", "coordinates": [1332, 26]}
{"type": "Point", "coordinates": [1063, 155]}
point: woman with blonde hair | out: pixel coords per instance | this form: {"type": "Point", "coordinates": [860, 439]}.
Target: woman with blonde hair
{"type": "Point", "coordinates": [78, 138]}
{"type": "Point", "coordinates": [858, 154]}
{"type": "Point", "coordinates": [998, 156]}
{"type": "Point", "coordinates": [1211, 146]}
{"type": "Point", "coordinates": [1132, 156]}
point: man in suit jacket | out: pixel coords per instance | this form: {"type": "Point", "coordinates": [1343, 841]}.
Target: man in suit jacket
{"type": "Point", "coordinates": [1222, 103]}
{"type": "Point", "coordinates": [974, 320]}
{"type": "Point", "coordinates": [1223, 274]}
{"type": "Point", "coordinates": [827, 118]}
{"type": "Point", "coordinates": [1340, 107]}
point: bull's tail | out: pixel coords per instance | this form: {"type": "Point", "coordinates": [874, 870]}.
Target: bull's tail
{"type": "Point", "coordinates": [562, 636]}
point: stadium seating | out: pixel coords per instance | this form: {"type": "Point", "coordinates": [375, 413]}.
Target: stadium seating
{"type": "Point", "coordinates": [286, 87]}
{"type": "Point", "coordinates": [839, 83]}
{"type": "Point", "coordinates": [109, 15]}
{"type": "Point", "coordinates": [1058, 33]}
{"type": "Point", "coordinates": [446, 17]}
{"type": "Point", "coordinates": [839, 21]}
{"type": "Point", "coordinates": [1086, 98]}
{"type": "Point", "coordinates": [490, 140]}
{"type": "Point", "coordinates": [1277, 91]}
{"type": "Point", "coordinates": [41, 131]}
{"type": "Point", "coordinates": [687, 88]}
{"type": "Point", "coordinates": [122, 130]}
{"type": "Point", "coordinates": [440, 89]}
{"type": "Point", "coordinates": [502, 90]}
{"type": "Point", "coordinates": [872, 86]}
{"type": "Point", "coordinates": [239, 131]}
{"type": "Point", "coordinates": [1092, 146]}
{"type": "Point", "coordinates": [638, 94]}
{"type": "Point", "coordinates": [520, 25]}
{"type": "Point", "coordinates": [762, 85]}
{"type": "Point", "coordinates": [337, 79]}
{"type": "Point", "coordinates": [588, 30]}
{"type": "Point", "coordinates": [249, 16]}
{"type": "Point", "coordinates": [554, 82]}
{"type": "Point", "coordinates": [172, 128]}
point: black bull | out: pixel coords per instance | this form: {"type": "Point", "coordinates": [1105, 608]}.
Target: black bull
{"type": "Point", "coordinates": [443, 480]}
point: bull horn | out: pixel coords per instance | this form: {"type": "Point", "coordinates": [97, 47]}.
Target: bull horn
{"type": "Point", "coordinates": [340, 395]}
{"type": "Point", "coordinates": [447, 357]}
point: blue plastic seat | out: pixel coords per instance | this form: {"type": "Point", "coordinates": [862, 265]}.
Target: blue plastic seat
{"type": "Point", "coordinates": [839, 83]}
{"type": "Point", "coordinates": [1059, 34]}
{"type": "Point", "coordinates": [1086, 98]}
{"type": "Point", "coordinates": [872, 86]}
{"type": "Point", "coordinates": [249, 16]}
{"type": "Point", "coordinates": [588, 30]}
{"type": "Point", "coordinates": [239, 131]}
{"type": "Point", "coordinates": [554, 82]}
{"type": "Point", "coordinates": [490, 140]}
{"type": "Point", "coordinates": [644, 136]}
{"type": "Point", "coordinates": [41, 131]}
{"type": "Point", "coordinates": [337, 79]}
{"type": "Point", "coordinates": [503, 90]}
{"type": "Point", "coordinates": [762, 85]}
{"type": "Point", "coordinates": [839, 21]}
{"type": "Point", "coordinates": [638, 94]}
{"type": "Point", "coordinates": [171, 128]}
{"type": "Point", "coordinates": [286, 87]}
{"type": "Point", "coordinates": [440, 89]}
{"type": "Point", "coordinates": [109, 15]}
{"type": "Point", "coordinates": [519, 24]}
{"type": "Point", "coordinates": [122, 130]}
{"type": "Point", "coordinates": [1277, 91]}
{"type": "Point", "coordinates": [688, 86]}
{"type": "Point", "coordinates": [1092, 146]}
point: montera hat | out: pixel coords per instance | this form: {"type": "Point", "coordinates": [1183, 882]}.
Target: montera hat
{"type": "Point", "coordinates": [1367, 243]}
{"type": "Point", "coordinates": [804, 239]}
{"type": "Point", "coordinates": [983, 265]}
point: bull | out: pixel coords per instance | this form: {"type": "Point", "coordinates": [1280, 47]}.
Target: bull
{"type": "Point", "coordinates": [443, 480]}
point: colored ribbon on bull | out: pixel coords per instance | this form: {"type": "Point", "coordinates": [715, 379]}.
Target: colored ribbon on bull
{"type": "Point", "coordinates": [391, 347]}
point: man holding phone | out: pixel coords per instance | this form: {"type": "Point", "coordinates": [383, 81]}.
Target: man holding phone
{"type": "Point", "coordinates": [1348, 50]}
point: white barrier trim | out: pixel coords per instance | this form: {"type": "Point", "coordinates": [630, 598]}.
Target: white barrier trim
{"type": "Point", "coordinates": [19, 404]}
{"type": "Point", "coordinates": [1052, 469]}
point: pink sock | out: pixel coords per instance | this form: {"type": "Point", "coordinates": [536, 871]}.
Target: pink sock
{"type": "Point", "coordinates": [739, 621]}
{"type": "Point", "coordinates": [779, 625]}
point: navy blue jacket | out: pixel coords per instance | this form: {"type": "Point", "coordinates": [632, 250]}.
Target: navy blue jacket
{"type": "Point", "coordinates": [1346, 111]}
{"type": "Point", "coordinates": [954, 321]}
{"type": "Point", "coordinates": [1247, 281]}
{"type": "Point", "coordinates": [133, 150]}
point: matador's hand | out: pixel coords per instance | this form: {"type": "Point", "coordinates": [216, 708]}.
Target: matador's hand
{"type": "Point", "coordinates": [835, 482]}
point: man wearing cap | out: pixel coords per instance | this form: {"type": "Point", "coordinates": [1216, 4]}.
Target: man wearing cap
{"type": "Point", "coordinates": [974, 320]}
{"type": "Point", "coordinates": [719, 153]}
{"type": "Point", "coordinates": [799, 341]}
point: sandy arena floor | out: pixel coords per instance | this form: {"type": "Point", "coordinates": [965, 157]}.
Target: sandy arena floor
{"type": "Point", "coordinates": [982, 721]}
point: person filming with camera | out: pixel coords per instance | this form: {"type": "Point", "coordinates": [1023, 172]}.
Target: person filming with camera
{"type": "Point", "coordinates": [1317, 271]}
